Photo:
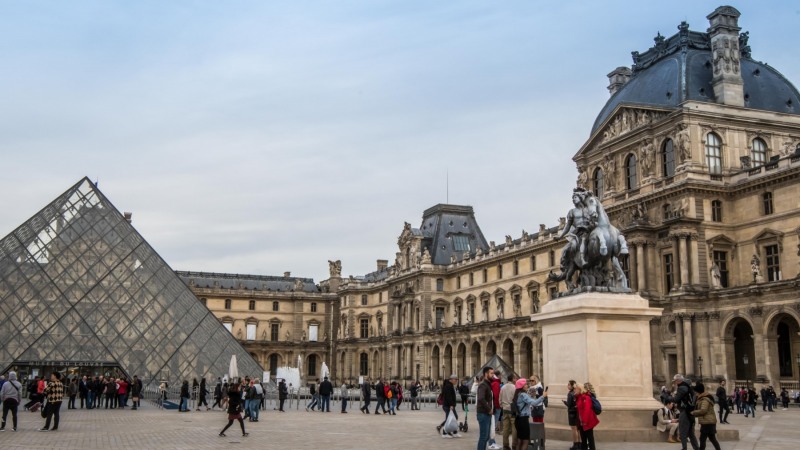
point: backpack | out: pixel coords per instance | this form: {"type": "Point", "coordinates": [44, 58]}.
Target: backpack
{"type": "Point", "coordinates": [596, 406]}
{"type": "Point", "coordinates": [388, 393]}
{"type": "Point", "coordinates": [440, 399]}
{"type": "Point", "coordinates": [514, 406]}
{"type": "Point", "coordinates": [463, 389]}
{"type": "Point", "coordinates": [655, 417]}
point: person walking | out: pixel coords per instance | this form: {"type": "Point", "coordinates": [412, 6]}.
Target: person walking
{"type": "Point", "coordinates": [325, 391]}
{"type": "Point", "coordinates": [485, 407]}
{"type": "Point", "coordinates": [587, 417]}
{"type": "Point", "coordinates": [722, 401]}
{"type": "Point", "coordinates": [685, 400]}
{"type": "Point", "coordinates": [496, 413]}
{"type": "Point", "coordinates": [366, 395]}
{"type": "Point", "coordinates": [136, 392]}
{"type": "Point", "coordinates": [752, 401]}
{"type": "Point", "coordinates": [705, 415]}
{"type": "Point", "coordinates": [234, 409]}
{"type": "Point", "coordinates": [507, 393]}
{"type": "Point", "coordinates": [72, 391]}
{"type": "Point", "coordinates": [202, 393]}
{"type": "Point", "coordinates": [524, 405]}
{"type": "Point", "coordinates": [463, 391]}
{"type": "Point", "coordinates": [449, 403]}
{"type": "Point", "coordinates": [414, 391]}
{"type": "Point", "coordinates": [183, 406]}
{"type": "Point", "coordinates": [343, 395]}
{"type": "Point", "coordinates": [217, 394]}
{"type": "Point", "coordinates": [391, 395]}
{"type": "Point", "coordinates": [10, 397]}
{"type": "Point", "coordinates": [54, 393]}
{"type": "Point", "coordinates": [314, 396]}
{"type": "Point", "coordinates": [380, 395]}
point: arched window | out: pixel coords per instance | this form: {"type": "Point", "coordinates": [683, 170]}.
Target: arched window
{"type": "Point", "coordinates": [758, 156]}
{"type": "Point", "coordinates": [597, 183]}
{"type": "Point", "coordinates": [668, 158]}
{"type": "Point", "coordinates": [363, 364]}
{"type": "Point", "coordinates": [714, 153]}
{"type": "Point", "coordinates": [312, 366]}
{"type": "Point", "coordinates": [252, 305]}
{"type": "Point", "coordinates": [631, 178]}
{"type": "Point", "coordinates": [227, 303]}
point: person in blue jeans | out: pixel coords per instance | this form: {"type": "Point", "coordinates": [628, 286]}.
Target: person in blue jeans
{"type": "Point", "coordinates": [325, 391]}
{"type": "Point", "coordinates": [449, 405]}
{"type": "Point", "coordinates": [485, 407]}
{"type": "Point", "coordinates": [184, 405]}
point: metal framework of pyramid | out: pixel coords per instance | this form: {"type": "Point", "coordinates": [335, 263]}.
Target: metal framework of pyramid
{"type": "Point", "coordinates": [79, 283]}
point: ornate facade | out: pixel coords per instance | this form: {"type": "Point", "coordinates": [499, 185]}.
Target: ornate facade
{"type": "Point", "coordinates": [696, 157]}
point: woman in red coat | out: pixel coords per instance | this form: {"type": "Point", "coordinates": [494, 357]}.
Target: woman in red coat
{"type": "Point", "coordinates": [588, 419]}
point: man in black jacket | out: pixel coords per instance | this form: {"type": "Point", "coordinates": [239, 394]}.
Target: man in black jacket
{"type": "Point", "coordinates": [366, 394]}
{"type": "Point", "coordinates": [381, 396]}
{"type": "Point", "coordinates": [449, 403]}
{"type": "Point", "coordinates": [325, 391]}
{"type": "Point", "coordinates": [722, 401]}
{"type": "Point", "coordinates": [685, 400]}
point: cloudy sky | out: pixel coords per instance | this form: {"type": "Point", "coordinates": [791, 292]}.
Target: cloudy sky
{"type": "Point", "coordinates": [269, 136]}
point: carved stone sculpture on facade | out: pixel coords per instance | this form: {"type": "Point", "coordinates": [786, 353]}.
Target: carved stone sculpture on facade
{"type": "Point", "coordinates": [647, 156]}
{"type": "Point", "coordinates": [517, 308]}
{"type": "Point", "coordinates": [609, 166]}
{"type": "Point", "coordinates": [500, 312]}
{"type": "Point", "coordinates": [592, 244]}
{"type": "Point", "coordinates": [426, 256]}
{"type": "Point", "coordinates": [485, 311]}
{"type": "Point", "coordinates": [335, 268]}
{"type": "Point", "coordinates": [755, 267]}
{"type": "Point", "coordinates": [683, 143]}
{"type": "Point", "coordinates": [583, 178]}
{"type": "Point", "coordinates": [716, 276]}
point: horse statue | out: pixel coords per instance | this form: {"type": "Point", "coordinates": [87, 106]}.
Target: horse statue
{"type": "Point", "coordinates": [603, 244]}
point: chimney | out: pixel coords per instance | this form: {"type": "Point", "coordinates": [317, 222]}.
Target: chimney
{"type": "Point", "coordinates": [725, 53]}
{"type": "Point", "coordinates": [382, 264]}
{"type": "Point", "coordinates": [128, 216]}
{"type": "Point", "coordinates": [287, 274]}
{"type": "Point", "coordinates": [617, 78]}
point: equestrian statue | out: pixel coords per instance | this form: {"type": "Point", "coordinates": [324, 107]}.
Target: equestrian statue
{"type": "Point", "coordinates": [592, 243]}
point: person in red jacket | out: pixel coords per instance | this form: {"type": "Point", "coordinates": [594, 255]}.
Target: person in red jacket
{"type": "Point", "coordinates": [122, 392]}
{"type": "Point", "coordinates": [586, 415]}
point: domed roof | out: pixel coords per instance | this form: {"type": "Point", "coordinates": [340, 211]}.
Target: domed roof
{"type": "Point", "coordinates": [679, 69]}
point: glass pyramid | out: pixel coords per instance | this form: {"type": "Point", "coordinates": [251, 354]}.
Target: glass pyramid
{"type": "Point", "coordinates": [79, 286]}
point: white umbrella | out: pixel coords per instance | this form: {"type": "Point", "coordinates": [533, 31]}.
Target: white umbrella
{"type": "Point", "coordinates": [233, 370]}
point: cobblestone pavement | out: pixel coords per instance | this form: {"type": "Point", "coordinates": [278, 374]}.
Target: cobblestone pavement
{"type": "Point", "coordinates": [151, 428]}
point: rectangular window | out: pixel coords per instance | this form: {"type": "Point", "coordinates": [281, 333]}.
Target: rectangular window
{"type": "Point", "coordinates": [275, 306]}
{"type": "Point", "coordinates": [364, 328]}
{"type": "Point", "coordinates": [458, 282]}
{"type": "Point", "coordinates": [516, 268]}
{"type": "Point", "coordinates": [313, 333]}
{"type": "Point", "coordinates": [363, 299]}
{"type": "Point", "coordinates": [273, 331]}
{"type": "Point", "coordinates": [313, 307]}
{"type": "Point", "coordinates": [229, 327]}
{"type": "Point", "coordinates": [767, 201]}
{"type": "Point", "coordinates": [533, 263]}
{"type": "Point", "coordinates": [499, 271]}
{"type": "Point", "coordinates": [669, 276]}
{"type": "Point", "coordinates": [721, 260]}
{"type": "Point", "coordinates": [251, 332]}
{"type": "Point", "coordinates": [461, 243]}
{"type": "Point", "coordinates": [472, 311]}
{"type": "Point", "coordinates": [471, 278]}
{"type": "Point", "coordinates": [439, 317]}
{"type": "Point", "coordinates": [251, 305]}
{"type": "Point", "coordinates": [552, 258]}
{"type": "Point", "coordinates": [439, 284]}
{"type": "Point", "coordinates": [773, 263]}
{"type": "Point", "coordinates": [716, 211]}
{"type": "Point", "coordinates": [485, 275]}
{"type": "Point", "coordinates": [380, 297]}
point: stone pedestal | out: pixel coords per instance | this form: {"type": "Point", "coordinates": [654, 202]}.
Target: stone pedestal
{"type": "Point", "coordinates": [602, 338]}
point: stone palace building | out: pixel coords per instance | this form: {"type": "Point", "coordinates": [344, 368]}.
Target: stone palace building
{"type": "Point", "coordinates": [696, 157]}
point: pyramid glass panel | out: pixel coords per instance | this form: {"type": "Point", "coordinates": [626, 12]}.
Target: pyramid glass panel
{"type": "Point", "coordinates": [80, 287]}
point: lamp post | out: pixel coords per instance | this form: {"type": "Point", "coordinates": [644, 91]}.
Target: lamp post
{"type": "Point", "coordinates": [700, 366]}
{"type": "Point", "coordinates": [746, 372]}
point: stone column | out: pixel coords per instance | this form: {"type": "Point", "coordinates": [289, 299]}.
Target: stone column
{"type": "Point", "coordinates": [641, 277]}
{"type": "Point", "coordinates": [759, 343]}
{"type": "Point", "coordinates": [675, 258]}
{"type": "Point", "coordinates": [655, 339]}
{"type": "Point", "coordinates": [703, 344]}
{"type": "Point", "coordinates": [694, 257]}
{"type": "Point", "coordinates": [688, 345]}
{"type": "Point", "coordinates": [679, 343]}
{"type": "Point", "coordinates": [717, 349]}
{"type": "Point", "coordinates": [684, 260]}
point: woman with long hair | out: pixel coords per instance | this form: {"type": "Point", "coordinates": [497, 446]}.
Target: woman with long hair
{"type": "Point", "coordinates": [234, 409]}
{"type": "Point", "coordinates": [524, 403]}
{"type": "Point", "coordinates": [586, 415]}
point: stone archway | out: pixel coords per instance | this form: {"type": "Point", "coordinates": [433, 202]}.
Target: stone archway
{"type": "Point", "coordinates": [435, 364]}
{"type": "Point", "coordinates": [461, 360]}
{"type": "Point", "coordinates": [783, 342]}
{"type": "Point", "coordinates": [491, 350]}
{"type": "Point", "coordinates": [475, 355]}
{"type": "Point", "coordinates": [508, 353]}
{"type": "Point", "coordinates": [740, 350]}
{"type": "Point", "coordinates": [526, 357]}
{"type": "Point", "coordinates": [448, 361]}
{"type": "Point", "coordinates": [376, 370]}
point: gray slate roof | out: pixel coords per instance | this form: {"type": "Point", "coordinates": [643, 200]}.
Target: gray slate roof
{"type": "Point", "coordinates": [248, 282]}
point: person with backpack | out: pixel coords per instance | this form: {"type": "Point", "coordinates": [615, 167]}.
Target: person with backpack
{"type": "Point", "coordinates": [314, 396]}
{"type": "Point", "coordinates": [283, 394]}
{"type": "Point", "coordinates": [522, 405]}
{"type": "Point", "coordinates": [685, 400]}
{"type": "Point", "coordinates": [325, 391]}
{"type": "Point", "coordinates": [704, 411]}
{"type": "Point", "coordinates": [391, 396]}
{"type": "Point", "coordinates": [380, 394]}
{"type": "Point", "coordinates": [587, 416]}
{"type": "Point", "coordinates": [752, 400]}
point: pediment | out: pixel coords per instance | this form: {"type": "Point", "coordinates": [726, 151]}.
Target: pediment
{"type": "Point", "coordinates": [625, 119]}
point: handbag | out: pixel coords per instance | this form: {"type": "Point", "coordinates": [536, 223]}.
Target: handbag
{"type": "Point", "coordinates": [42, 410]}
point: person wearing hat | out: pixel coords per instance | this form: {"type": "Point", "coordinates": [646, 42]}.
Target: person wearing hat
{"type": "Point", "coordinates": [449, 405]}
{"type": "Point", "coordinates": [704, 411]}
{"type": "Point", "coordinates": [524, 404]}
